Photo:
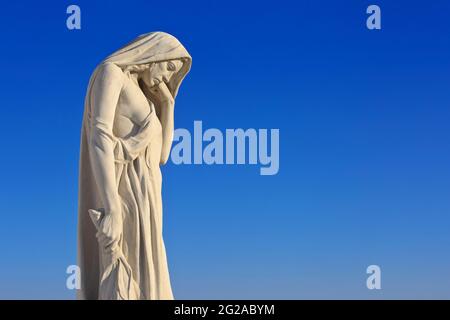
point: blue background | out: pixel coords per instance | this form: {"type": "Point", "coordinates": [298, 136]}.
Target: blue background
{"type": "Point", "coordinates": [364, 145]}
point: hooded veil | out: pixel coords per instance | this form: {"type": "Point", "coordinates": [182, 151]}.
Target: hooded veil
{"type": "Point", "coordinates": [146, 49]}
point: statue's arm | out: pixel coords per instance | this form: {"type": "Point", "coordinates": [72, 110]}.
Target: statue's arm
{"type": "Point", "coordinates": [105, 95]}
{"type": "Point", "coordinates": [165, 105]}
{"type": "Point", "coordinates": [166, 117]}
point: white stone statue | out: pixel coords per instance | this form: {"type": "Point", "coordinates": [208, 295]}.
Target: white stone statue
{"type": "Point", "coordinates": [126, 135]}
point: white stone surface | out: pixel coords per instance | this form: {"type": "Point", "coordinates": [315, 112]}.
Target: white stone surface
{"type": "Point", "coordinates": [126, 135]}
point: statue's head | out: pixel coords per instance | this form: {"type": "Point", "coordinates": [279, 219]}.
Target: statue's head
{"type": "Point", "coordinates": [161, 71]}
{"type": "Point", "coordinates": [157, 57]}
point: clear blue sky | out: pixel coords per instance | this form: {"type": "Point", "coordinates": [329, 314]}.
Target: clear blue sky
{"type": "Point", "coordinates": [364, 145]}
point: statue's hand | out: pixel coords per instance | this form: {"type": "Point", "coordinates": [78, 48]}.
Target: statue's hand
{"type": "Point", "coordinates": [109, 228]}
{"type": "Point", "coordinates": [161, 94]}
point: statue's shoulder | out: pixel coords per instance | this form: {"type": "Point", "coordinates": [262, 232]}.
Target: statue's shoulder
{"type": "Point", "coordinates": [110, 72]}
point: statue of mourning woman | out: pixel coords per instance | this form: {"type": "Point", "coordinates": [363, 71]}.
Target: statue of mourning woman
{"type": "Point", "coordinates": [126, 135]}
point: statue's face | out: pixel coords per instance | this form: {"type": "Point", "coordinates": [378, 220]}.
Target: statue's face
{"type": "Point", "coordinates": [160, 72]}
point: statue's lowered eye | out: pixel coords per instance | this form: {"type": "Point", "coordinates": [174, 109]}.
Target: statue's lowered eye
{"type": "Point", "coordinates": [171, 66]}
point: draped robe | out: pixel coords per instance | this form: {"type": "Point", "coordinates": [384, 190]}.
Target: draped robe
{"type": "Point", "coordinates": [137, 268]}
